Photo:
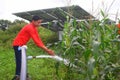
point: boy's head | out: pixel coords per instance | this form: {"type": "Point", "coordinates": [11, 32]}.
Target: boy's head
{"type": "Point", "coordinates": [36, 20]}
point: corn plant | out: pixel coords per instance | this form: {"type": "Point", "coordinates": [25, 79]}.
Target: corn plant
{"type": "Point", "coordinates": [93, 48]}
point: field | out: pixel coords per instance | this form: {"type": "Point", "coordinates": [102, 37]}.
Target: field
{"type": "Point", "coordinates": [94, 48]}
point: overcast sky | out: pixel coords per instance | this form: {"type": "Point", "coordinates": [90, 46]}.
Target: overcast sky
{"type": "Point", "coordinates": [7, 7]}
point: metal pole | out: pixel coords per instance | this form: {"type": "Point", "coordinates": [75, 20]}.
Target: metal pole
{"type": "Point", "coordinates": [23, 64]}
{"type": "Point", "coordinates": [60, 34]}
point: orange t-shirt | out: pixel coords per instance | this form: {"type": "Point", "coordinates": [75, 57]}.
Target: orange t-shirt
{"type": "Point", "coordinates": [26, 33]}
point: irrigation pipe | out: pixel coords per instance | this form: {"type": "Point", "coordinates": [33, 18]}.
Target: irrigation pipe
{"type": "Point", "coordinates": [23, 64]}
{"type": "Point", "coordinates": [25, 58]}
{"type": "Point", "coordinates": [57, 58]}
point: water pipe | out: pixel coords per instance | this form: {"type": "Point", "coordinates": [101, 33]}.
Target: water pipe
{"type": "Point", "coordinates": [24, 63]}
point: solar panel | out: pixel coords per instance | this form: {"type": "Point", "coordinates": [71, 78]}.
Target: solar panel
{"type": "Point", "coordinates": [57, 14]}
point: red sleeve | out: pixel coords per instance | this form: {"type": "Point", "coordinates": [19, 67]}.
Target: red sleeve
{"type": "Point", "coordinates": [35, 36]}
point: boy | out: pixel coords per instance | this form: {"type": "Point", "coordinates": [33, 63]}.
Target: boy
{"type": "Point", "coordinates": [26, 33]}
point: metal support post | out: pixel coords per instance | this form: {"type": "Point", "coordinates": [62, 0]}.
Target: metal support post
{"type": "Point", "coordinates": [60, 34]}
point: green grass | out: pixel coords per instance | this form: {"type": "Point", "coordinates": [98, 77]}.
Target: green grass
{"type": "Point", "coordinates": [7, 64]}
{"type": "Point", "coordinates": [38, 69]}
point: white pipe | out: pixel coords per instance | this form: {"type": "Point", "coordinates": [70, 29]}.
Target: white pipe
{"type": "Point", "coordinates": [24, 63]}
{"type": "Point", "coordinates": [65, 61]}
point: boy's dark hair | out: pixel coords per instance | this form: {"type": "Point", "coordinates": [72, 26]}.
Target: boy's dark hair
{"type": "Point", "coordinates": [35, 18]}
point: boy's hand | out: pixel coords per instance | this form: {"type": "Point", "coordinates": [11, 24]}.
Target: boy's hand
{"type": "Point", "coordinates": [50, 52]}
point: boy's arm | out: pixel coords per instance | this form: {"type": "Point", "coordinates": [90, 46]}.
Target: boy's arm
{"type": "Point", "coordinates": [39, 43]}
{"type": "Point", "coordinates": [49, 51]}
